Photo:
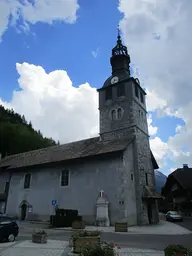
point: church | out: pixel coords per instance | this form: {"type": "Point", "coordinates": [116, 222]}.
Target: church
{"type": "Point", "coordinates": [118, 162]}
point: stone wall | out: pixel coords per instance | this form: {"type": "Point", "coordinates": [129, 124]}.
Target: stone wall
{"type": "Point", "coordinates": [145, 166]}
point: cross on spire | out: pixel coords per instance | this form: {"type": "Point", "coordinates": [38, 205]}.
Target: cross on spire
{"type": "Point", "coordinates": [119, 49]}
{"type": "Point", "coordinates": [118, 30]}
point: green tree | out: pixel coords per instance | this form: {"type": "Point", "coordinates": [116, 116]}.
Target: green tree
{"type": "Point", "coordinates": [17, 135]}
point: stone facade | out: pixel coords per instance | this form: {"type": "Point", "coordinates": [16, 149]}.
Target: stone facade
{"type": "Point", "coordinates": [132, 123]}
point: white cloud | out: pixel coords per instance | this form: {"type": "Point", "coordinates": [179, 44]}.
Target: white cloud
{"type": "Point", "coordinates": [164, 64]}
{"type": "Point", "coordinates": [95, 52]}
{"type": "Point", "coordinates": [159, 149]}
{"type": "Point", "coordinates": [31, 12]}
{"type": "Point", "coordinates": [154, 102]}
{"type": "Point", "coordinates": [152, 129]}
{"type": "Point", "coordinates": [54, 105]}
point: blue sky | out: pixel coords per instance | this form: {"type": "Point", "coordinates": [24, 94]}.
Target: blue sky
{"type": "Point", "coordinates": [49, 42]}
{"type": "Point", "coordinates": [64, 46]}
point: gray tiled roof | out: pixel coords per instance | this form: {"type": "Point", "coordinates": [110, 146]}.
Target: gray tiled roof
{"type": "Point", "coordinates": [69, 151]}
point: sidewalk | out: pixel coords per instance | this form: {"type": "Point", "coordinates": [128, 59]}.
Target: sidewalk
{"type": "Point", "coordinates": [60, 248]}
{"type": "Point", "coordinates": [132, 252]}
{"type": "Point", "coordinates": [138, 252]}
{"type": "Point", "coordinates": [163, 228]}
{"type": "Point", "coordinates": [27, 248]}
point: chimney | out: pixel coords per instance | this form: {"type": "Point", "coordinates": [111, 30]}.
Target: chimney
{"type": "Point", "coordinates": [185, 166]}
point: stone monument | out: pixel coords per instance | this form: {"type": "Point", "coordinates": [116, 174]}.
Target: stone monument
{"type": "Point", "coordinates": [102, 215]}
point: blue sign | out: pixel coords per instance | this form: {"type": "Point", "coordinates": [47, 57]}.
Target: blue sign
{"type": "Point", "coordinates": [54, 202]}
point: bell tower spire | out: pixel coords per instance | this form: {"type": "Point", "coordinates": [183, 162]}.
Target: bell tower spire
{"type": "Point", "coordinates": [120, 58]}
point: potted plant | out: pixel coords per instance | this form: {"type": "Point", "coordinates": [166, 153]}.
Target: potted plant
{"type": "Point", "coordinates": [103, 249]}
{"type": "Point", "coordinates": [39, 237]}
{"type": "Point", "coordinates": [83, 238]}
{"type": "Point", "coordinates": [176, 250]}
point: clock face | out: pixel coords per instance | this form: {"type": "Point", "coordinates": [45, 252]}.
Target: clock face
{"type": "Point", "coordinates": [115, 80]}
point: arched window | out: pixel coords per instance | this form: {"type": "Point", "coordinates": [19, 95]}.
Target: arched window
{"type": "Point", "coordinates": [108, 93]}
{"type": "Point", "coordinates": [141, 97]}
{"type": "Point", "coordinates": [119, 113]}
{"type": "Point", "coordinates": [65, 178]}
{"type": "Point", "coordinates": [120, 90]}
{"type": "Point", "coordinates": [136, 91]}
{"type": "Point", "coordinates": [27, 180]}
{"type": "Point", "coordinates": [113, 114]}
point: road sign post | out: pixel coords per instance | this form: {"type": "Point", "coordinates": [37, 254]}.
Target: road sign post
{"type": "Point", "coordinates": [53, 202]}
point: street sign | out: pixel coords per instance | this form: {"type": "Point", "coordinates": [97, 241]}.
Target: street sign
{"type": "Point", "coordinates": [54, 202]}
{"type": "Point", "coordinates": [30, 209]}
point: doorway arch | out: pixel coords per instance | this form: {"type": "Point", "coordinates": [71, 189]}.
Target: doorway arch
{"type": "Point", "coordinates": [23, 209]}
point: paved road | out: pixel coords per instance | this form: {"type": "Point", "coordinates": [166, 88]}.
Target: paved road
{"type": "Point", "coordinates": [187, 223]}
{"type": "Point", "coordinates": [156, 242]}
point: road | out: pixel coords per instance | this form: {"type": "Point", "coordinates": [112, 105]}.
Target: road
{"type": "Point", "coordinates": [187, 223]}
{"type": "Point", "coordinates": [156, 242]}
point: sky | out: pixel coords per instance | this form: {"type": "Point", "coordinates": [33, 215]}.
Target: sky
{"type": "Point", "coordinates": [54, 54]}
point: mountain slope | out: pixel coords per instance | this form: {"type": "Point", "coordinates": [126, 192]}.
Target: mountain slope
{"type": "Point", "coordinates": [160, 180]}
{"type": "Point", "coordinates": [17, 135]}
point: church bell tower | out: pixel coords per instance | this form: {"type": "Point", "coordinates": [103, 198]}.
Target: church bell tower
{"type": "Point", "coordinates": [121, 99]}
{"type": "Point", "coordinates": [123, 116]}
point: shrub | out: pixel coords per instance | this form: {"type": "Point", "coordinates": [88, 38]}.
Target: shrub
{"type": "Point", "coordinates": [84, 233]}
{"type": "Point", "coordinates": [104, 249]}
{"type": "Point", "coordinates": [176, 250]}
{"type": "Point", "coordinates": [40, 232]}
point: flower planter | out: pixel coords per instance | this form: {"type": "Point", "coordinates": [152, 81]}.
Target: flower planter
{"type": "Point", "coordinates": [78, 225]}
{"type": "Point", "coordinates": [80, 243]}
{"type": "Point", "coordinates": [121, 227]}
{"type": "Point", "coordinates": [39, 238]}
{"type": "Point", "coordinates": [176, 250]}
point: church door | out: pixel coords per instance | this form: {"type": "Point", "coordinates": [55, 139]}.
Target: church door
{"type": "Point", "coordinates": [23, 211]}
{"type": "Point", "coordinates": [149, 211]}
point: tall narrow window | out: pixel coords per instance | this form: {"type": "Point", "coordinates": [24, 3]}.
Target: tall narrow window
{"type": "Point", "coordinates": [146, 179]}
{"type": "Point", "coordinates": [136, 91]}
{"type": "Point", "coordinates": [131, 176]}
{"type": "Point", "coordinates": [119, 113]}
{"type": "Point", "coordinates": [142, 97]}
{"type": "Point", "coordinates": [108, 93]}
{"type": "Point", "coordinates": [27, 180]}
{"type": "Point", "coordinates": [120, 90]}
{"type": "Point", "coordinates": [65, 178]}
{"type": "Point", "coordinates": [113, 114]}
{"type": "Point", "coordinates": [6, 187]}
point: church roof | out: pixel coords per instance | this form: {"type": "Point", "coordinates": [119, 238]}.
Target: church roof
{"type": "Point", "coordinates": [70, 151]}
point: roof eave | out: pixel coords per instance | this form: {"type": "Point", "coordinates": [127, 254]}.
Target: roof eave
{"type": "Point", "coordinates": [155, 164]}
